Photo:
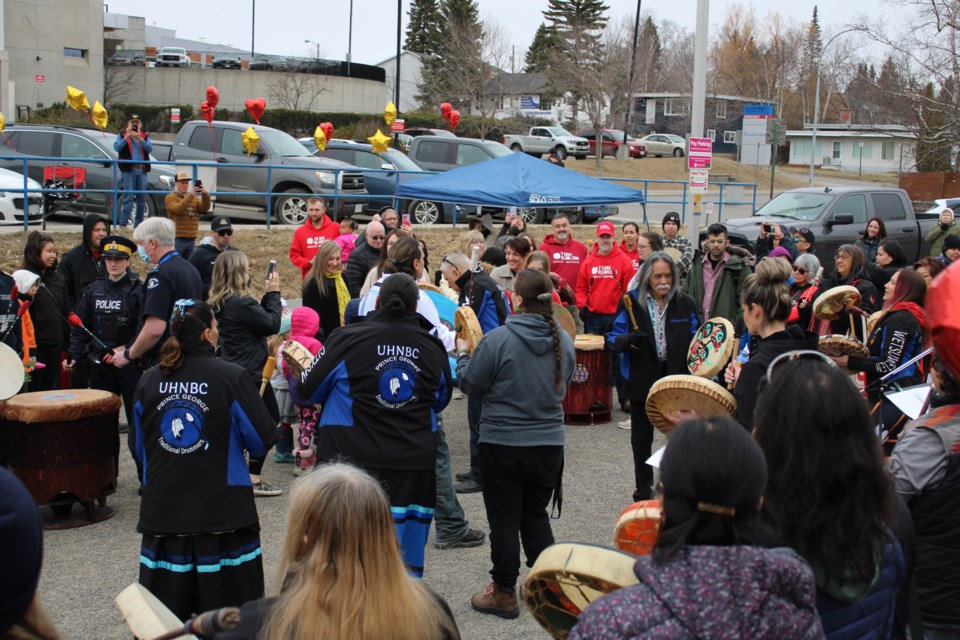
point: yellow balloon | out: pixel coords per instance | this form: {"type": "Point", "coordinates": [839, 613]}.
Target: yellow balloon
{"type": "Point", "coordinates": [390, 114]}
{"type": "Point", "coordinates": [77, 99]}
{"type": "Point", "coordinates": [379, 141]}
{"type": "Point", "coordinates": [251, 141]}
{"type": "Point", "coordinates": [99, 116]}
{"type": "Point", "coordinates": [3, 123]}
{"type": "Point", "coordinates": [320, 138]}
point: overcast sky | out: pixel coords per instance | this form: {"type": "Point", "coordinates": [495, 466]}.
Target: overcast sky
{"type": "Point", "coordinates": [283, 25]}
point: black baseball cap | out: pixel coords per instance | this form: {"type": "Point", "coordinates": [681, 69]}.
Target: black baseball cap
{"type": "Point", "coordinates": [804, 233]}
{"type": "Point", "coordinates": [134, 116]}
{"type": "Point", "coordinates": [221, 223]}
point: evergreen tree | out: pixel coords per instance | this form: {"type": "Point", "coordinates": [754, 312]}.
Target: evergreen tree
{"type": "Point", "coordinates": [650, 53]}
{"type": "Point", "coordinates": [458, 56]}
{"type": "Point", "coordinates": [933, 140]}
{"type": "Point", "coordinates": [577, 23]}
{"type": "Point", "coordinates": [544, 42]}
{"type": "Point", "coordinates": [424, 34]}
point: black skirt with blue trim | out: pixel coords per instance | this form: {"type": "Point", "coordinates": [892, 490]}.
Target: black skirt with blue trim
{"type": "Point", "coordinates": [195, 573]}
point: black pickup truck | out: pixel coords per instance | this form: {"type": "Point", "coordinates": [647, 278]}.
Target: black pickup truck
{"type": "Point", "coordinates": [838, 216]}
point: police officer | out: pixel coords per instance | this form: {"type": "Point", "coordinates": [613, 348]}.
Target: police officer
{"type": "Point", "coordinates": [110, 309]}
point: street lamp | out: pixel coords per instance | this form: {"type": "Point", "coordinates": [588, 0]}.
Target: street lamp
{"type": "Point", "coordinates": [816, 104]}
{"type": "Point", "coordinates": [350, 39]}
{"type": "Point", "coordinates": [318, 49]}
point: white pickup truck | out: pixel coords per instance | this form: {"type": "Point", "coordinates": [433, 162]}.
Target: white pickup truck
{"type": "Point", "coordinates": [546, 139]}
{"type": "Point", "coordinates": [173, 57]}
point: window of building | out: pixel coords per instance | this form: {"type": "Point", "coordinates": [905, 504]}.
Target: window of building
{"type": "Point", "coordinates": [721, 109]}
{"type": "Point", "coordinates": [862, 149]}
{"type": "Point", "coordinates": [801, 148]}
{"type": "Point", "coordinates": [836, 150]}
{"type": "Point", "coordinates": [675, 107]}
{"type": "Point", "coordinates": [730, 137]}
{"type": "Point", "coordinates": [712, 134]}
{"type": "Point", "coordinates": [888, 149]}
{"type": "Point", "coordinates": [72, 52]}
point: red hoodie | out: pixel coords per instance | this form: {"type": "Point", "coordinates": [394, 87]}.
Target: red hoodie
{"type": "Point", "coordinates": [633, 255]}
{"type": "Point", "coordinates": [307, 240]}
{"type": "Point", "coordinates": [604, 280]}
{"type": "Point", "coordinates": [565, 259]}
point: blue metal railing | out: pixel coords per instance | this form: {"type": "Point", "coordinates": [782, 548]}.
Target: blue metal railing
{"type": "Point", "coordinates": [116, 190]}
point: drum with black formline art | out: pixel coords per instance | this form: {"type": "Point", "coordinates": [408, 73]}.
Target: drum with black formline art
{"type": "Point", "coordinates": [711, 348]}
{"type": "Point", "coordinates": [685, 392]}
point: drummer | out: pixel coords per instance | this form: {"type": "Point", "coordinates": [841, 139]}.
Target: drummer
{"type": "Point", "coordinates": [898, 336]}
{"type": "Point", "coordinates": [804, 292]}
{"type": "Point", "coordinates": [654, 334]}
{"type": "Point", "coordinates": [766, 306]}
{"type": "Point", "coordinates": [849, 265]}
{"type": "Point", "coordinates": [110, 308]}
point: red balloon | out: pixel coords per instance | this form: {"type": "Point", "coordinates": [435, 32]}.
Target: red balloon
{"type": "Point", "coordinates": [454, 118]}
{"type": "Point", "coordinates": [943, 298]}
{"type": "Point", "coordinates": [213, 97]}
{"type": "Point", "coordinates": [445, 110]}
{"type": "Point", "coordinates": [327, 128]}
{"type": "Point", "coordinates": [256, 108]}
{"type": "Point", "coordinates": [206, 111]}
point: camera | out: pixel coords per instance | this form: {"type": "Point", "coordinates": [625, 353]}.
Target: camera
{"type": "Point", "coordinates": [134, 127]}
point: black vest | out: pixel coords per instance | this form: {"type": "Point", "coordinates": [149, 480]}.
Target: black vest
{"type": "Point", "coordinates": [127, 154]}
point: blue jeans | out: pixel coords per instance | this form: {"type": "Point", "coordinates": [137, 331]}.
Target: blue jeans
{"type": "Point", "coordinates": [134, 180]}
{"type": "Point", "coordinates": [451, 525]}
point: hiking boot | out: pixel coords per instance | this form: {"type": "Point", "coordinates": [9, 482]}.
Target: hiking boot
{"type": "Point", "coordinates": [468, 486]}
{"type": "Point", "coordinates": [265, 489]}
{"type": "Point", "coordinates": [472, 538]}
{"type": "Point", "coordinates": [497, 601]}
{"type": "Point", "coordinates": [283, 458]}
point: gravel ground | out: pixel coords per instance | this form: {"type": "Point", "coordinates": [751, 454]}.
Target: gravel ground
{"type": "Point", "coordinates": [85, 568]}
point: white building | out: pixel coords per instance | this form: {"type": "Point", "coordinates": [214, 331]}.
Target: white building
{"type": "Point", "coordinates": [411, 70]}
{"type": "Point", "coordinates": [870, 148]}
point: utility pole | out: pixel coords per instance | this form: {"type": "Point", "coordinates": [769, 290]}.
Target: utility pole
{"type": "Point", "coordinates": [701, 42]}
{"type": "Point", "coordinates": [350, 40]}
{"type": "Point", "coordinates": [633, 66]}
{"type": "Point", "coordinates": [396, 80]}
{"type": "Point", "coordinates": [253, 27]}
{"type": "Point", "coordinates": [773, 158]}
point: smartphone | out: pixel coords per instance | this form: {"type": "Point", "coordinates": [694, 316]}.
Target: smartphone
{"type": "Point", "coordinates": [406, 220]}
{"type": "Point", "coordinates": [271, 267]}
{"type": "Point", "coordinates": [768, 228]}
{"type": "Point", "coordinates": [198, 184]}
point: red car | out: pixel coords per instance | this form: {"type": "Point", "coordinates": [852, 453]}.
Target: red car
{"type": "Point", "coordinates": [612, 139]}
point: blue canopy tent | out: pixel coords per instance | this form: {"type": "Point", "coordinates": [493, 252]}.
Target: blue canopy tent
{"type": "Point", "coordinates": [517, 180]}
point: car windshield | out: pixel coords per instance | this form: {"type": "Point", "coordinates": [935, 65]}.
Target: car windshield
{"type": "Point", "coordinates": [498, 150]}
{"type": "Point", "coordinates": [557, 131]}
{"type": "Point", "coordinates": [282, 143]}
{"type": "Point", "coordinates": [401, 161]}
{"type": "Point", "coordinates": [796, 206]}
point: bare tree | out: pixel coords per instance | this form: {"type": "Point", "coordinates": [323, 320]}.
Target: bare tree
{"type": "Point", "coordinates": [296, 90]}
{"type": "Point", "coordinates": [120, 83]}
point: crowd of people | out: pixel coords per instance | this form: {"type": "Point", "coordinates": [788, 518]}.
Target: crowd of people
{"type": "Point", "coordinates": [840, 512]}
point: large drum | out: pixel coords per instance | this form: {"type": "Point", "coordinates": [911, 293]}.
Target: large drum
{"type": "Point", "coordinates": [64, 447]}
{"type": "Point", "coordinates": [589, 398]}
{"type": "Point", "coordinates": [569, 576]}
{"type": "Point", "coordinates": [638, 528]}
{"type": "Point", "coordinates": [711, 348]}
{"type": "Point", "coordinates": [680, 392]}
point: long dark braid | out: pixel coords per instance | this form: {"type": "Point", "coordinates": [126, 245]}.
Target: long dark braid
{"type": "Point", "coordinates": [535, 287]}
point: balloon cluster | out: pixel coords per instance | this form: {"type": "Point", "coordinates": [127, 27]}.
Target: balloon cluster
{"type": "Point", "coordinates": [322, 135]}
{"type": "Point", "coordinates": [77, 100]}
{"type": "Point", "coordinates": [451, 115]}
{"type": "Point", "coordinates": [209, 106]}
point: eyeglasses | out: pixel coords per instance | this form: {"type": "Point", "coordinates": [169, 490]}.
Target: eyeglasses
{"type": "Point", "coordinates": [377, 237]}
{"type": "Point", "coordinates": [800, 270]}
{"type": "Point", "coordinates": [841, 256]}
{"type": "Point", "coordinates": [445, 261]}
{"type": "Point", "coordinates": [799, 239]}
{"type": "Point", "coordinates": [642, 246]}
{"type": "Point", "coordinates": [225, 232]}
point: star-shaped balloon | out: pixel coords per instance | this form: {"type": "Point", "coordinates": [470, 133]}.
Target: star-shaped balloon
{"type": "Point", "coordinates": [379, 141]}
{"type": "Point", "coordinates": [99, 115]}
{"type": "Point", "coordinates": [320, 138]}
{"type": "Point", "coordinates": [3, 123]}
{"type": "Point", "coordinates": [251, 141]}
{"type": "Point", "coordinates": [390, 113]}
{"type": "Point", "coordinates": [77, 99]}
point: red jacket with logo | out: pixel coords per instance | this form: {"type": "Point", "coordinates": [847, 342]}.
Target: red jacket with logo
{"type": "Point", "coordinates": [565, 259]}
{"type": "Point", "coordinates": [307, 240]}
{"type": "Point", "coordinates": [603, 280]}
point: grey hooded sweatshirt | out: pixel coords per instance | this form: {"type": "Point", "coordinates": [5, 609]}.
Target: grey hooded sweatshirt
{"type": "Point", "coordinates": [512, 372]}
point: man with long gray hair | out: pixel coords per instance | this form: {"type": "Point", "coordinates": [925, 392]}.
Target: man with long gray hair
{"type": "Point", "coordinates": [653, 326]}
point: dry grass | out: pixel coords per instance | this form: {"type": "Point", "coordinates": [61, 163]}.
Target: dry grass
{"type": "Point", "coordinates": [262, 245]}
{"type": "Point", "coordinates": [676, 169]}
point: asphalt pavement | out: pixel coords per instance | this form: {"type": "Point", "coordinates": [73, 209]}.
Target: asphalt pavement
{"type": "Point", "coordinates": [85, 568]}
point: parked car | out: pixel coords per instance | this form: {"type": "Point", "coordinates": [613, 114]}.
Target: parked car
{"type": "Point", "coordinates": [226, 61]}
{"type": "Point", "coordinates": [269, 63]}
{"type": "Point", "coordinates": [838, 216]}
{"type": "Point", "coordinates": [612, 139]}
{"type": "Point", "coordinates": [295, 174]}
{"type": "Point", "coordinates": [943, 203]}
{"type": "Point", "coordinates": [127, 59]}
{"type": "Point", "coordinates": [71, 145]}
{"type": "Point", "coordinates": [417, 132]}
{"type": "Point", "coordinates": [173, 57]}
{"type": "Point", "coordinates": [664, 144]}
{"type": "Point", "coordinates": [11, 198]}
{"type": "Point", "coordinates": [543, 140]}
